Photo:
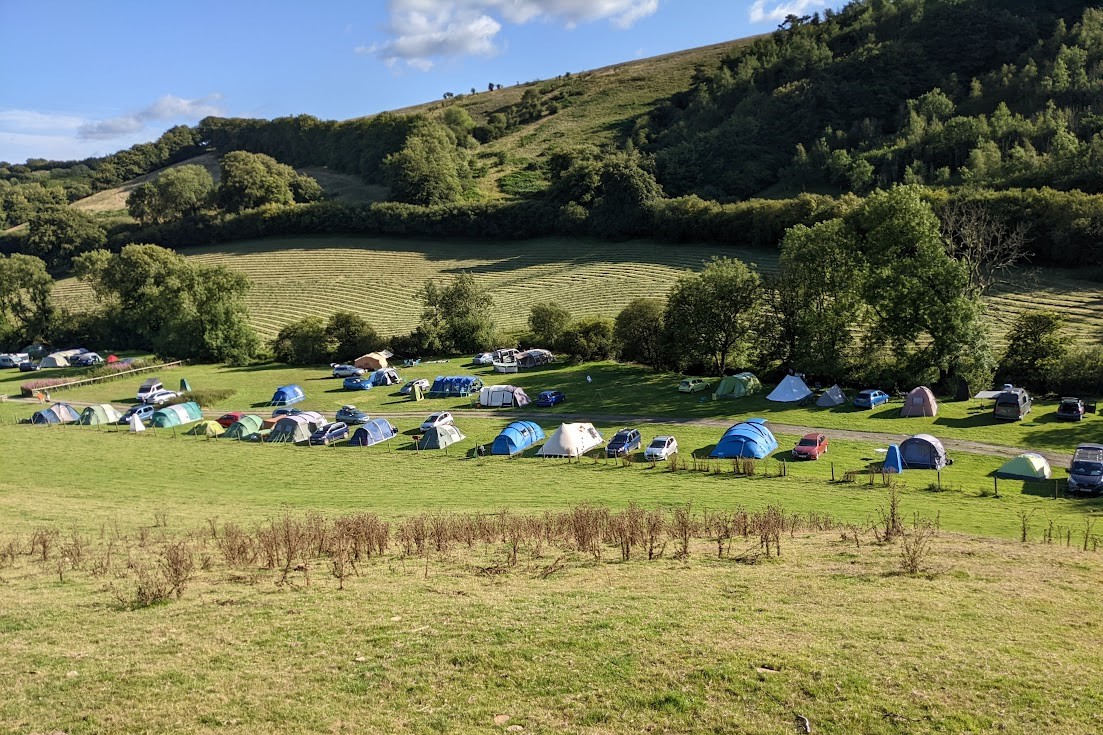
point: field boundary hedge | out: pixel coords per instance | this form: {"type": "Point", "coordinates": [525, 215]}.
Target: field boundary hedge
{"type": "Point", "coordinates": [28, 389]}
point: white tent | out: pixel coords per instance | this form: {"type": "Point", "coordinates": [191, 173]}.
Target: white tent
{"type": "Point", "coordinates": [789, 390]}
{"type": "Point", "coordinates": [55, 360]}
{"type": "Point", "coordinates": [571, 440]}
{"type": "Point", "coordinates": [496, 396]}
{"type": "Point", "coordinates": [136, 423]}
{"type": "Point", "coordinates": [833, 396]}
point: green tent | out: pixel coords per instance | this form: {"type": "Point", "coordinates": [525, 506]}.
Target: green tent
{"type": "Point", "coordinates": [96, 415]}
{"type": "Point", "coordinates": [206, 428]}
{"type": "Point", "coordinates": [440, 437]}
{"type": "Point", "coordinates": [1029, 466]}
{"type": "Point", "coordinates": [738, 385]}
{"type": "Point", "coordinates": [243, 427]}
{"type": "Point", "coordinates": [181, 413]}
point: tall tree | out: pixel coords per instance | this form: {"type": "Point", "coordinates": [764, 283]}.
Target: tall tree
{"type": "Point", "coordinates": [457, 317]}
{"type": "Point", "coordinates": [58, 234]}
{"type": "Point", "coordinates": [638, 332]}
{"type": "Point", "coordinates": [1035, 348]}
{"type": "Point", "coordinates": [547, 322]}
{"type": "Point", "coordinates": [27, 308]}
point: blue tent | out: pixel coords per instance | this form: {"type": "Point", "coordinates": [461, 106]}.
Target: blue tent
{"type": "Point", "coordinates": [748, 440]}
{"type": "Point", "coordinates": [892, 462]}
{"type": "Point", "coordinates": [516, 438]}
{"type": "Point", "coordinates": [923, 452]}
{"type": "Point", "coordinates": [285, 395]}
{"type": "Point", "coordinates": [59, 413]}
{"type": "Point", "coordinates": [455, 386]}
{"type": "Point", "coordinates": [373, 432]}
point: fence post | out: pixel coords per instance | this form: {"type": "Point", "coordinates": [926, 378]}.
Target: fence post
{"type": "Point", "coordinates": [832, 472]}
{"type": "Point", "coordinates": [996, 485]}
{"type": "Point", "coordinates": [940, 480]}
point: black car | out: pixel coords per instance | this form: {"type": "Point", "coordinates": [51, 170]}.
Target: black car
{"type": "Point", "coordinates": [28, 366]}
{"type": "Point", "coordinates": [1071, 409]}
{"type": "Point", "coordinates": [623, 443]}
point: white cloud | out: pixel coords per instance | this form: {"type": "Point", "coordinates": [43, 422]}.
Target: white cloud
{"type": "Point", "coordinates": [423, 30]}
{"type": "Point", "coordinates": [167, 108]}
{"type": "Point", "coordinates": [762, 11]}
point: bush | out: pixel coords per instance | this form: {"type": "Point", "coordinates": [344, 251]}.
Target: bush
{"type": "Point", "coordinates": [590, 338]}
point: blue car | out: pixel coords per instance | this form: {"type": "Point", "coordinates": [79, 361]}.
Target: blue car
{"type": "Point", "coordinates": [144, 411]}
{"type": "Point", "coordinates": [623, 443]}
{"type": "Point", "coordinates": [330, 433]}
{"type": "Point", "coordinates": [871, 398]}
{"type": "Point", "coordinates": [356, 384]}
{"type": "Point", "coordinates": [352, 415]}
{"type": "Point", "coordinates": [550, 398]}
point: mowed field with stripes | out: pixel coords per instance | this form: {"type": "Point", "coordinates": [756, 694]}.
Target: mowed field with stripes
{"type": "Point", "coordinates": [379, 278]}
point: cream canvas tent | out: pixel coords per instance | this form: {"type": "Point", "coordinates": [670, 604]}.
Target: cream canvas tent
{"type": "Point", "coordinates": [738, 385]}
{"type": "Point", "coordinates": [920, 402]}
{"type": "Point", "coordinates": [373, 360]}
{"type": "Point", "coordinates": [831, 397]}
{"type": "Point", "coordinates": [571, 440]}
{"type": "Point", "coordinates": [790, 390]}
{"type": "Point", "coordinates": [136, 424]}
{"type": "Point", "coordinates": [58, 359]}
{"type": "Point", "coordinates": [104, 413]}
{"type": "Point", "coordinates": [497, 396]}
{"type": "Point", "coordinates": [1029, 466]}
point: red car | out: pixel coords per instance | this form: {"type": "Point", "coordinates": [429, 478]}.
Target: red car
{"type": "Point", "coordinates": [228, 419]}
{"type": "Point", "coordinates": [810, 446]}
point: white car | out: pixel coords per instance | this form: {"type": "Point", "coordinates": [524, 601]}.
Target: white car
{"type": "Point", "coordinates": [660, 448]}
{"type": "Point", "coordinates": [346, 371]}
{"type": "Point", "coordinates": [483, 358]}
{"type": "Point", "coordinates": [161, 397]}
{"type": "Point", "coordinates": [407, 389]}
{"type": "Point", "coordinates": [440, 418]}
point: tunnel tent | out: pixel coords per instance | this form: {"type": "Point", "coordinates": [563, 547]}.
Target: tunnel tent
{"type": "Point", "coordinates": [499, 396]}
{"type": "Point", "coordinates": [739, 385]}
{"type": "Point", "coordinates": [103, 413]}
{"type": "Point", "coordinates": [440, 437]}
{"type": "Point", "coordinates": [516, 438]}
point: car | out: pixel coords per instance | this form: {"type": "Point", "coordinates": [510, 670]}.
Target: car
{"type": "Point", "coordinates": [1070, 409]}
{"type": "Point", "coordinates": [1012, 404]}
{"type": "Point", "coordinates": [161, 397]}
{"type": "Point", "coordinates": [660, 448]}
{"type": "Point", "coordinates": [810, 446]}
{"type": "Point", "coordinates": [227, 420]}
{"type": "Point", "coordinates": [144, 411]}
{"type": "Point", "coordinates": [330, 433]}
{"type": "Point", "coordinates": [440, 418]}
{"type": "Point", "coordinates": [28, 366]}
{"type": "Point", "coordinates": [871, 398]}
{"type": "Point", "coordinates": [147, 389]}
{"type": "Point", "coordinates": [623, 443]}
{"type": "Point", "coordinates": [483, 358]}
{"type": "Point", "coordinates": [692, 385]}
{"type": "Point", "coordinates": [287, 411]}
{"type": "Point", "coordinates": [346, 371]}
{"type": "Point", "coordinates": [88, 359]}
{"type": "Point", "coordinates": [355, 383]}
{"type": "Point", "coordinates": [352, 415]}
{"type": "Point", "coordinates": [408, 388]}
{"type": "Point", "coordinates": [1086, 470]}
{"type": "Point", "coordinates": [14, 359]}
{"type": "Point", "coordinates": [548, 398]}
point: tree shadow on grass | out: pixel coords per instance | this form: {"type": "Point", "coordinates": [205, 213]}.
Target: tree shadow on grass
{"type": "Point", "coordinates": [972, 421]}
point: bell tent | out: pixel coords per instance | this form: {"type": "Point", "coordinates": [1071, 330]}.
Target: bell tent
{"type": "Point", "coordinates": [373, 432]}
{"type": "Point", "coordinates": [497, 396]}
{"type": "Point", "coordinates": [59, 413]}
{"type": "Point", "coordinates": [206, 428]}
{"type": "Point", "coordinates": [790, 390]}
{"type": "Point", "coordinates": [571, 440]}
{"type": "Point", "coordinates": [243, 427]}
{"type": "Point", "coordinates": [285, 395]}
{"type": "Point", "coordinates": [104, 413]}
{"type": "Point", "coordinates": [739, 385]}
{"type": "Point", "coordinates": [920, 402]}
{"type": "Point", "coordinates": [440, 437]}
{"type": "Point", "coordinates": [516, 438]}
{"type": "Point", "coordinates": [136, 424]}
{"type": "Point", "coordinates": [1029, 466]}
{"type": "Point", "coordinates": [923, 452]}
{"type": "Point", "coordinates": [747, 440]}
{"type": "Point", "coordinates": [181, 413]}
{"type": "Point", "coordinates": [831, 397]}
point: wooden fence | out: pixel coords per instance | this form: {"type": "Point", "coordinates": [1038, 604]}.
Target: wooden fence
{"type": "Point", "coordinates": [30, 392]}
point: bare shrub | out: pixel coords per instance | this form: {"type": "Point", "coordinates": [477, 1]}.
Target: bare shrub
{"type": "Point", "coordinates": [237, 547]}
{"type": "Point", "coordinates": [915, 548]}
{"type": "Point", "coordinates": [890, 526]}
{"type": "Point", "coordinates": [43, 541]}
{"type": "Point", "coordinates": [682, 528]}
{"type": "Point", "coordinates": [177, 566]}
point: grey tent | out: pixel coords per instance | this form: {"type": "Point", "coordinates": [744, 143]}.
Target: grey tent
{"type": "Point", "coordinates": [440, 437]}
{"type": "Point", "coordinates": [290, 430]}
{"type": "Point", "coordinates": [923, 452]}
{"type": "Point", "coordinates": [831, 397]}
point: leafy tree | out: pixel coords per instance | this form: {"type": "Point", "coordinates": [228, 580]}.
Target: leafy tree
{"type": "Point", "coordinates": [27, 309]}
{"type": "Point", "coordinates": [456, 317]}
{"type": "Point", "coordinates": [59, 234]}
{"type": "Point", "coordinates": [1035, 349]}
{"type": "Point", "coordinates": [426, 169]}
{"type": "Point", "coordinates": [638, 332]}
{"type": "Point", "coordinates": [250, 180]}
{"type": "Point", "coordinates": [351, 336]}
{"type": "Point", "coordinates": [177, 192]}
{"type": "Point", "coordinates": [590, 338]}
{"type": "Point", "coordinates": [304, 342]}
{"type": "Point", "coordinates": [547, 322]}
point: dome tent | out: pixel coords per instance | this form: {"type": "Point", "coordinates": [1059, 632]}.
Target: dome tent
{"type": "Point", "coordinates": [104, 413]}
{"type": "Point", "coordinates": [748, 440]}
{"type": "Point", "coordinates": [59, 413]}
{"type": "Point", "coordinates": [790, 390]}
{"type": "Point", "coordinates": [738, 385]}
{"type": "Point", "coordinates": [831, 397]}
{"type": "Point", "coordinates": [285, 395]}
{"type": "Point", "coordinates": [920, 402]}
{"type": "Point", "coordinates": [1028, 466]}
{"type": "Point", "coordinates": [206, 428]}
{"type": "Point", "coordinates": [243, 427]}
{"type": "Point", "coordinates": [923, 452]}
{"type": "Point", "coordinates": [373, 432]}
{"type": "Point", "coordinates": [440, 437]}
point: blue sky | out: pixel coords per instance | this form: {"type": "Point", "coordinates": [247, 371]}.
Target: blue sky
{"type": "Point", "coordinates": [89, 78]}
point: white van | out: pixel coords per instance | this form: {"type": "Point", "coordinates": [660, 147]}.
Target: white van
{"type": "Point", "coordinates": [149, 388]}
{"type": "Point", "coordinates": [13, 359]}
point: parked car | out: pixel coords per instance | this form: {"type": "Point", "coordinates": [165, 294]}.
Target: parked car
{"type": "Point", "coordinates": [161, 397]}
{"type": "Point", "coordinates": [287, 411]}
{"type": "Point", "coordinates": [147, 389]}
{"type": "Point", "coordinates": [408, 388]}
{"type": "Point", "coordinates": [548, 398]}
{"type": "Point", "coordinates": [623, 443]}
{"type": "Point", "coordinates": [28, 366]}
{"type": "Point", "coordinates": [871, 398]}
{"type": "Point", "coordinates": [144, 411]}
{"type": "Point", "coordinates": [810, 446]}
{"type": "Point", "coordinates": [483, 358]}
{"type": "Point", "coordinates": [352, 415]}
{"type": "Point", "coordinates": [1086, 470]}
{"type": "Point", "coordinates": [692, 385]}
{"type": "Point", "coordinates": [660, 448]}
{"type": "Point", "coordinates": [1012, 404]}
{"type": "Point", "coordinates": [440, 418]}
{"type": "Point", "coordinates": [227, 420]}
{"type": "Point", "coordinates": [1070, 409]}
{"type": "Point", "coordinates": [330, 433]}
{"type": "Point", "coordinates": [14, 359]}
{"type": "Point", "coordinates": [88, 359]}
{"type": "Point", "coordinates": [346, 371]}
{"type": "Point", "coordinates": [355, 383]}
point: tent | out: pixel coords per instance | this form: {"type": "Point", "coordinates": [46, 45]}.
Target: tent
{"type": "Point", "coordinates": [571, 440]}
{"type": "Point", "coordinates": [373, 432]}
{"type": "Point", "coordinates": [243, 427]}
{"type": "Point", "coordinates": [373, 360]}
{"type": "Point", "coordinates": [314, 419]}
{"type": "Point", "coordinates": [384, 376]}
{"type": "Point", "coordinates": [181, 413]}
{"type": "Point", "coordinates": [440, 437]}
{"type": "Point", "coordinates": [923, 452]}
{"type": "Point", "coordinates": [892, 462]}
{"type": "Point", "coordinates": [291, 430]}
{"type": "Point", "coordinates": [270, 422]}
{"type": "Point", "coordinates": [739, 385]}
{"type": "Point", "coordinates": [454, 386]}
{"type": "Point", "coordinates": [111, 359]}
{"type": "Point", "coordinates": [748, 440]}
{"type": "Point", "coordinates": [104, 413]}
{"type": "Point", "coordinates": [59, 413]}
{"type": "Point", "coordinates": [1029, 466]}
{"type": "Point", "coordinates": [831, 397]}
{"type": "Point", "coordinates": [790, 390]}
{"type": "Point", "coordinates": [35, 351]}
{"type": "Point", "coordinates": [136, 424]}
{"type": "Point", "coordinates": [185, 386]}
{"type": "Point", "coordinates": [534, 358]}
{"type": "Point", "coordinates": [920, 402]}
{"type": "Point", "coordinates": [206, 428]}
{"type": "Point", "coordinates": [516, 438]}
{"type": "Point", "coordinates": [55, 360]}
{"type": "Point", "coordinates": [285, 395]}
{"type": "Point", "coordinates": [497, 396]}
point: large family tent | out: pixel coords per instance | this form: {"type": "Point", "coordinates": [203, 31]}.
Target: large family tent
{"type": "Point", "coordinates": [285, 395]}
{"type": "Point", "coordinates": [831, 397]}
{"type": "Point", "coordinates": [1029, 466]}
{"type": "Point", "coordinates": [454, 386]}
{"type": "Point", "coordinates": [314, 419]}
{"type": "Point", "coordinates": [920, 402]}
{"type": "Point", "coordinates": [181, 413]}
{"type": "Point", "coordinates": [440, 437]}
{"type": "Point", "coordinates": [59, 413]}
{"type": "Point", "coordinates": [739, 385]}
{"type": "Point", "coordinates": [373, 432]}
{"type": "Point", "coordinates": [55, 360]}
{"type": "Point", "coordinates": [790, 390]}
{"type": "Point", "coordinates": [373, 360]}
{"type": "Point", "coordinates": [923, 452]}
{"type": "Point", "coordinates": [571, 440]}
{"type": "Point", "coordinates": [243, 427]}
{"type": "Point", "coordinates": [516, 438]}
{"type": "Point", "coordinates": [747, 440]}
{"type": "Point", "coordinates": [206, 428]}
{"type": "Point", "coordinates": [497, 396]}
{"type": "Point", "coordinates": [534, 358]}
{"type": "Point", "coordinates": [383, 377]}
{"type": "Point", "coordinates": [291, 430]}
{"type": "Point", "coordinates": [104, 413]}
